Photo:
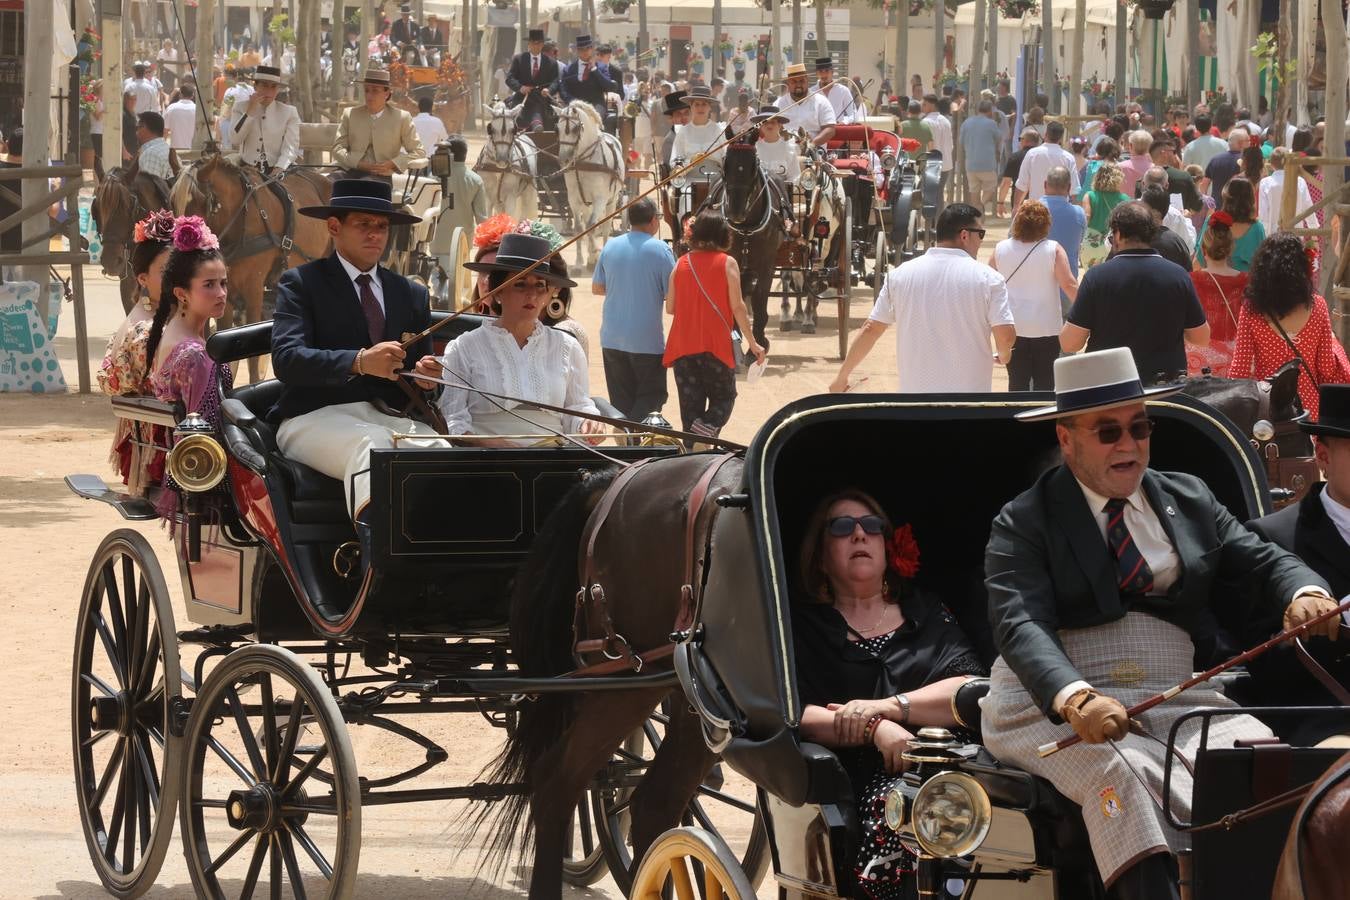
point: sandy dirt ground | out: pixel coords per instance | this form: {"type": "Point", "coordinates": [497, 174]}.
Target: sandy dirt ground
{"type": "Point", "coordinates": [48, 535]}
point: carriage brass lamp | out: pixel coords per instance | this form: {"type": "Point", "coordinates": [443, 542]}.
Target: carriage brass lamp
{"type": "Point", "coordinates": [440, 160]}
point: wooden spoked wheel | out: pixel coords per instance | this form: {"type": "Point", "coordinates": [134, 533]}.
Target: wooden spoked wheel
{"type": "Point", "coordinates": [254, 808]}
{"type": "Point", "coordinates": [881, 260]}
{"type": "Point", "coordinates": [124, 701]}
{"type": "Point", "coordinates": [844, 288]}
{"type": "Point", "coordinates": [696, 864]}
{"type": "Point", "coordinates": [584, 860]}
{"type": "Point", "coordinates": [461, 279]}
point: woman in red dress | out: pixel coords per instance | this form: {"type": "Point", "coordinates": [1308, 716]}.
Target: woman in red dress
{"type": "Point", "coordinates": [1220, 288]}
{"type": "Point", "coordinates": [1284, 319]}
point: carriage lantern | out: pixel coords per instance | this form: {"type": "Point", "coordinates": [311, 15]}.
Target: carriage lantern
{"type": "Point", "coordinates": [197, 463]}
{"type": "Point", "coordinates": [888, 160]}
{"type": "Point", "coordinates": [440, 160]}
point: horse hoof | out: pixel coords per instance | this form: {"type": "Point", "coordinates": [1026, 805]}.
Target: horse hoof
{"type": "Point", "coordinates": [785, 325]}
{"type": "Point", "coordinates": [808, 328]}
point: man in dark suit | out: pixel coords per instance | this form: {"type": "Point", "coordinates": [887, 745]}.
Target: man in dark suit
{"type": "Point", "coordinates": [533, 76]}
{"type": "Point", "coordinates": [1100, 581]}
{"type": "Point", "coordinates": [584, 78]}
{"type": "Point", "coordinates": [404, 31]}
{"type": "Point", "coordinates": [337, 344]}
{"type": "Point", "coordinates": [1317, 528]}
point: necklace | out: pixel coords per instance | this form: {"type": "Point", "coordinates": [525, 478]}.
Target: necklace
{"type": "Point", "coordinates": [885, 611]}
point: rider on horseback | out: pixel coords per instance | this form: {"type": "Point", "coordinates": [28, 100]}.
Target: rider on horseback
{"type": "Point", "coordinates": [268, 131]}
{"type": "Point", "coordinates": [533, 76]}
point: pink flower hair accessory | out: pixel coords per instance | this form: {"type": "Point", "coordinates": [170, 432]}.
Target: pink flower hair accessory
{"type": "Point", "coordinates": [191, 233]}
{"type": "Point", "coordinates": [158, 226]}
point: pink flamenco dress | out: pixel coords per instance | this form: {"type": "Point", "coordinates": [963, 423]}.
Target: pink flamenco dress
{"type": "Point", "coordinates": [125, 373]}
{"type": "Point", "coordinates": [189, 376]}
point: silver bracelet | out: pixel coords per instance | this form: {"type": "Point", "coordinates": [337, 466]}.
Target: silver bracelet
{"type": "Point", "coordinates": [904, 707]}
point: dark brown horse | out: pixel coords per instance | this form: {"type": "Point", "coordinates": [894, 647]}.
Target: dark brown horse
{"type": "Point", "coordinates": [1313, 864]}
{"type": "Point", "coordinates": [123, 198]}
{"type": "Point", "coordinates": [750, 202]}
{"type": "Point", "coordinates": [259, 236]}
{"type": "Point", "coordinates": [562, 740]}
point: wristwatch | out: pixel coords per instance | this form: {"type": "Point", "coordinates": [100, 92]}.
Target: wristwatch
{"type": "Point", "coordinates": [904, 707]}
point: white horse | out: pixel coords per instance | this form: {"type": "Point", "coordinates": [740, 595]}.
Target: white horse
{"type": "Point", "coordinates": [508, 165]}
{"type": "Point", "coordinates": [592, 164]}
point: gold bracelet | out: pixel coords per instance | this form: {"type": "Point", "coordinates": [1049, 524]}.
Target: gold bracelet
{"type": "Point", "coordinates": [359, 369]}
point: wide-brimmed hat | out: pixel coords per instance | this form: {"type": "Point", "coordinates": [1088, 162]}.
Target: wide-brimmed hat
{"type": "Point", "coordinates": [405, 9]}
{"type": "Point", "coordinates": [267, 75]}
{"type": "Point", "coordinates": [675, 102]}
{"type": "Point", "coordinates": [824, 62]}
{"type": "Point", "coordinates": [377, 76]}
{"type": "Point", "coordinates": [361, 195]}
{"type": "Point", "coordinates": [536, 34]}
{"type": "Point", "coordinates": [795, 69]}
{"type": "Point", "coordinates": [1333, 415]}
{"type": "Point", "coordinates": [769, 111]}
{"type": "Point", "coordinates": [701, 92]}
{"type": "Point", "coordinates": [1089, 382]}
{"type": "Point", "coordinates": [517, 253]}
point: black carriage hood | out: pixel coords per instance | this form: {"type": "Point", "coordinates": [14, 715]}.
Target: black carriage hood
{"type": "Point", "coordinates": [944, 463]}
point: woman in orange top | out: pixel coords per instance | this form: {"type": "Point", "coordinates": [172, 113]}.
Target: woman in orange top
{"type": "Point", "coordinates": [704, 296]}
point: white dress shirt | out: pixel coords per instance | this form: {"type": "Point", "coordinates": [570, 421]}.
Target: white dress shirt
{"type": "Point", "coordinates": [374, 272]}
{"type": "Point", "coordinates": [1338, 514]}
{"type": "Point", "coordinates": [941, 127]}
{"type": "Point", "coordinates": [181, 119]}
{"type": "Point", "coordinates": [153, 158]}
{"type": "Point", "coordinates": [943, 305]}
{"type": "Point", "coordinates": [1037, 164]}
{"type": "Point", "coordinates": [779, 158]}
{"type": "Point", "coordinates": [146, 91]}
{"type": "Point", "coordinates": [550, 368]}
{"type": "Point", "coordinates": [1270, 197]}
{"type": "Point", "coordinates": [430, 129]}
{"type": "Point", "coordinates": [691, 140]}
{"type": "Point", "coordinates": [841, 101]}
{"type": "Point", "coordinates": [811, 115]}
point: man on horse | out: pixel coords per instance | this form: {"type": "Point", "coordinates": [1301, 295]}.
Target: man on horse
{"type": "Point", "coordinates": [585, 78]}
{"type": "Point", "coordinates": [337, 346]}
{"type": "Point", "coordinates": [377, 140]}
{"type": "Point", "coordinates": [533, 77]}
{"type": "Point", "coordinates": [1103, 579]}
{"type": "Point", "coordinates": [807, 111]}
{"type": "Point", "coordinates": [268, 132]}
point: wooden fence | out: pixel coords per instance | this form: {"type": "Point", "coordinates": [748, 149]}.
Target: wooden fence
{"type": "Point", "coordinates": [1335, 258]}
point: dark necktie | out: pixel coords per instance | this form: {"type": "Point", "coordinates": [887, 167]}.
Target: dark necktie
{"type": "Point", "coordinates": [534, 69]}
{"type": "Point", "coordinates": [1133, 575]}
{"type": "Point", "coordinates": [371, 307]}
{"type": "Point", "coordinates": [585, 67]}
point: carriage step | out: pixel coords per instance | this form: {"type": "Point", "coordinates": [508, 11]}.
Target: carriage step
{"type": "Point", "coordinates": [92, 487]}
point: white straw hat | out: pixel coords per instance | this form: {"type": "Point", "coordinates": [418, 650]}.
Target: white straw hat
{"type": "Point", "coordinates": [1094, 381]}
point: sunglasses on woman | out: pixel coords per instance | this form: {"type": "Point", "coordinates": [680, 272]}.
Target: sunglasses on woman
{"type": "Point", "coordinates": [842, 526]}
{"type": "Point", "coordinates": [1111, 432]}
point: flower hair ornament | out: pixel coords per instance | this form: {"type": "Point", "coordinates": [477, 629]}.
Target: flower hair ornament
{"type": "Point", "coordinates": [902, 552]}
{"type": "Point", "coordinates": [191, 233]}
{"type": "Point", "coordinates": [158, 226]}
{"type": "Point", "coordinates": [540, 228]}
{"type": "Point", "coordinates": [1220, 219]}
{"type": "Point", "coordinates": [490, 231]}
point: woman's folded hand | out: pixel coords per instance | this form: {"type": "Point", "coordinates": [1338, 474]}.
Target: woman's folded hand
{"type": "Point", "coordinates": [592, 427]}
{"type": "Point", "coordinates": [851, 718]}
{"type": "Point", "coordinates": [892, 740]}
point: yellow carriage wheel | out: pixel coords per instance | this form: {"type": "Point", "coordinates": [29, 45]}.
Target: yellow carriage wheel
{"type": "Point", "coordinates": [683, 857]}
{"type": "Point", "coordinates": [461, 279]}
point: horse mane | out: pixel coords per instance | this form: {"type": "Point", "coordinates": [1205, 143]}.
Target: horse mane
{"type": "Point", "coordinates": [185, 189]}
{"type": "Point", "coordinates": [584, 108]}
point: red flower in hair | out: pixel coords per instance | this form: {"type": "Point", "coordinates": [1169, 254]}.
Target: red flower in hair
{"type": "Point", "coordinates": [902, 552]}
{"type": "Point", "coordinates": [1220, 220]}
{"type": "Point", "coordinates": [1313, 255]}
{"type": "Point", "coordinates": [490, 231]}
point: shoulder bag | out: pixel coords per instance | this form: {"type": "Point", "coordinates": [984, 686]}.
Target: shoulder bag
{"type": "Point", "coordinates": [1228, 307]}
{"type": "Point", "coordinates": [1024, 260]}
{"type": "Point", "coordinates": [737, 353]}
{"type": "Point", "coordinates": [1294, 474]}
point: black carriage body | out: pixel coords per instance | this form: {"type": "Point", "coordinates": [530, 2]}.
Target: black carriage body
{"type": "Point", "coordinates": [946, 465]}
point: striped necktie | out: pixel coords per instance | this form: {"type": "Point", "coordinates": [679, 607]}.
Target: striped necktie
{"type": "Point", "coordinates": [1133, 576]}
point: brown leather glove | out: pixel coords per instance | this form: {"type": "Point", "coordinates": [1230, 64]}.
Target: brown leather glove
{"type": "Point", "coordinates": [1096, 717]}
{"type": "Point", "coordinates": [1309, 607]}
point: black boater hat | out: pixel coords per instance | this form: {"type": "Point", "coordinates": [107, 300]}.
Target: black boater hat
{"type": "Point", "coordinates": [1333, 416]}
{"type": "Point", "coordinates": [675, 103]}
{"type": "Point", "coordinates": [361, 195]}
{"type": "Point", "coordinates": [517, 253]}
{"type": "Point", "coordinates": [536, 34]}
{"type": "Point", "coordinates": [824, 62]}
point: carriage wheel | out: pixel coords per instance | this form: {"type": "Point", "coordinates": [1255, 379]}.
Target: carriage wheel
{"type": "Point", "coordinates": [844, 290]}
{"type": "Point", "coordinates": [461, 279]}
{"type": "Point", "coordinates": [682, 857]}
{"type": "Point", "coordinates": [124, 703]}
{"type": "Point", "coordinates": [261, 726]}
{"type": "Point", "coordinates": [584, 859]}
{"type": "Point", "coordinates": [912, 238]}
{"type": "Point", "coordinates": [738, 814]}
{"type": "Point", "coordinates": [882, 261]}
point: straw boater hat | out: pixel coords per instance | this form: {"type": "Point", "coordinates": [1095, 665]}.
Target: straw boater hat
{"type": "Point", "coordinates": [267, 75]}
{"type": "Point", "coordinates": [361, 195]}
{"type": "Point", "coordinates": [1333, 417]}
{"type": "Point", "coordinates": [1090, 382]}
{"type": "Point", "coordinates": [795, 69]}
{"type": "Point", "coordinates": [377, 76]}
{"type": "Point", "coordinates": [517, 253]}
{"type": "Point", "coordinates": [769, 111]}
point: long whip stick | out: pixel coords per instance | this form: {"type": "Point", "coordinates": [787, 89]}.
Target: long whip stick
{"type": "Point", "coordinates": [696, 161]}
{"type": "Point", "coordinates": [1299, 631]}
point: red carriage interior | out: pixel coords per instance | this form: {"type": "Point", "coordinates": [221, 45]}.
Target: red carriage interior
{"type": "Point", "coordinates": [861, 139]}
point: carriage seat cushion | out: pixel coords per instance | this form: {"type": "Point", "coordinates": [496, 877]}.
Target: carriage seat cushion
{"type": "Point", "coordinates": [857, 165]}
{"type": "Point", "coordinates": [876, 141]}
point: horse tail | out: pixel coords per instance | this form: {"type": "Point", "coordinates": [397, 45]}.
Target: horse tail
{"type": "Point", "coordinates": [543, 599]}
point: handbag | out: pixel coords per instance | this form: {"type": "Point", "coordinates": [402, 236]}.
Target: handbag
{"type": "Point", "coordinates": [737, 354]}
{"type": "Point", "coordinates": [1298, 474]}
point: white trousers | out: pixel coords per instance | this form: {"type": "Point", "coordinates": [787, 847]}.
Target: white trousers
{"type": "Point", "coordinates": [337, 440]}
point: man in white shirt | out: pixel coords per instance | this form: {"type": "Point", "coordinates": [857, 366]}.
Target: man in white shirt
{"type": "Point", "coordinates": [810, 112]}
{"type": "Point", "coordinates": [267, 131]}
{"type": "Point", "coordinates": [840, 97]}
{"type": "Point", "coordinates": [1039, 161]}
{"type": "Point", "coordinates": [1175, 219]}
{"type": "Point", "coordinates": [429, 127]}
{"type": "Point", "coordinates": [181, 118]}
{"type": "Point", "coordinates": [1270, 196]}
{"type": "Point", "coordinates": [149, 96]}
{"type": "Point", "coordinates": [232, 107]}
{"type": "Point", "coordinates": [945, 305]}
{"type": "Point", "coordinates": [941, 126]}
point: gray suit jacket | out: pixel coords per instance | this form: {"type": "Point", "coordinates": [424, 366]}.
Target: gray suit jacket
{"type": "Point", "coordinates": [1047, 568]}
{"type": "Point", "coordinates": [391, 137]}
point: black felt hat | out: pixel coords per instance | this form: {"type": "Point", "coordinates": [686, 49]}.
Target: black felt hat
{"type": "Point", "coordinates": [1333, 416]}
{"type": "Point", "coordinates": [517, 253]}
{"type": "Point", "coordinates": [361, 195]}
{"type": "Point", "coordinates": [584, 40]}
{"type": "Point", "coordinates": [536, 34]}
{"type": "Point", "coordinates": [824, 62]}
{"type": "Point", "coordinates": [675, 102]}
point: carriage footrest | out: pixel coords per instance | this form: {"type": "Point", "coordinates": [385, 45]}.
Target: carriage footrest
{"type": "Point", "coordinates": [92, 487]}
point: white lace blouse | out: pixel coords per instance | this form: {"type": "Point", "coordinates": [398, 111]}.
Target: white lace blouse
{"type": "Point", "coordinates": [550, 368]}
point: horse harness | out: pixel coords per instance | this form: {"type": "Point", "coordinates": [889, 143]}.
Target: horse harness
{"type": "Point", "coordinates": [592, 614]}
{"type": "Point", "coordinates": [270, 240]}
{"type": "Point", "coordinates": [582, 160]}
{"type": "Point", "coordinates": [497, 166]}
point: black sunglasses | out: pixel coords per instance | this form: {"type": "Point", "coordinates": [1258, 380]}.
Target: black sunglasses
{"type": "Point", "coordinates": [979, 231]}
{"type": "Point", "coordinates": [1111, 432]}
{"type": "Point", "coordinates": [842, 526]}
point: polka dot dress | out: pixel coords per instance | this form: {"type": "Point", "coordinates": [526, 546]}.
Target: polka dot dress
{"type": "Point", "coordinates": [1260, 350]}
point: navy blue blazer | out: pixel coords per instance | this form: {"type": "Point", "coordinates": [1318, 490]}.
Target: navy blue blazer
{"type": "Point", "coordinates": [593, 89]}
{"type": "Point", "coordinates": [1047, 568]}
{"type": "Point", "coordinates": [318, 327]}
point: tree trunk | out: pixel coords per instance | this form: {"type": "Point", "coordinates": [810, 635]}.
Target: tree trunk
{"type": "Point", "coordinates": [822, 41]}
{"type": "Point", "coordinates": [1333, 25]}
{"type": "Point", "coordinates": [718, 64]}
{"type": "Point", "coordinates": [993, 30]}
{"type": "Point", "coordinates": [1194, 89]}
{"type": "Point", "coordinates": [1076, 61]}
{"type": "Point", "coordinates": [939, 43]}
{"type": "Point", "coordinates": [306, 57]}
{"type": "Point", "coordinates": [902, 54]}
{"type": "Point", "coordinates": [977, 53]}
{"type": "Point", "coordinates": [797, 43]}
{"type": "Point", "coordinates": [644, 40]}
{"type": "Point", "coordinates": [1048, 55]}
{"type": "Point", "coordinates": [1122, 29]}
{"type": "Point", "coordinates": [1284, 45]}
{"type": "Point", "coordinates": [775, 50]}
{"type": "Point", "coordinates": [206, 58]}
{"type": "Point", "coordinates": [363, 39]}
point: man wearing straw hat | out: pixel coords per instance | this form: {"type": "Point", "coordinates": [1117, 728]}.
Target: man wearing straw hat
{"type": "Point", "coordinates": [807, 111]}
{"type": "Point", "coordinates": [268, 132]}
{"type": "Point", "coordinates": [377, 140]}
{"type": "Point", "coordinates": [1102, 582]}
